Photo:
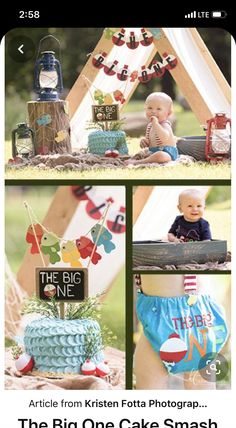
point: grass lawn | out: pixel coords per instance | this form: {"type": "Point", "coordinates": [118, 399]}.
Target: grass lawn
{"type": "Point", "coordinates": [186, 125]}
{"type": "Point", "coordinates": [218, 171]}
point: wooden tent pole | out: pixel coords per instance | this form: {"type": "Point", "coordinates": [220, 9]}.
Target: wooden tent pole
{"type": "Point", "coordinates": [211, 64]}
{"type": "Point", "coordinates": [184, 81]}
{"type": "Point", "coordinates": [57, 219]}
{"type": "Point", "coordinates": [140, 198]}
{"type": "Point", "coordinates": [80, 88]}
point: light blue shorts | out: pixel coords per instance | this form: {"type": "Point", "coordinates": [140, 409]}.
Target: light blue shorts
{"type": "Point", "coordinates": [172, 151]}
{"type": "Point", "coordinates": [182, 334]}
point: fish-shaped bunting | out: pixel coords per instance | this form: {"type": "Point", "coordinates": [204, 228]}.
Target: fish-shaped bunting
{"type": "Point", "coordinates": [104, 238]}
{"type": "Point", "coordinates": [30, 237]}
{"type": "Point", "coordinates": [50, 246]}
{"type": "Point", "coordinates": [85, 247]}
{"type": "Point", "coordinates": [70, 254]}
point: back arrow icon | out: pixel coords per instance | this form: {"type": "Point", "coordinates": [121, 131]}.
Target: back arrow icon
{"type": "Point", "coordinates": [20, 49]}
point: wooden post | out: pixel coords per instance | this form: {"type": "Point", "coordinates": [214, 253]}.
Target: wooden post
{"type": "Point", "coordinates": [57, 219]}
{"type": "Point", "coordinates": [184, 79]}
{"type": "Point", "coordinates": [62, 310]}
{"type": "Point", "coordinates": [80, 87]}
{"type": "Point", "coordinates": [50, 121]}
{"type": "Point", "coordinates": [140, 198]}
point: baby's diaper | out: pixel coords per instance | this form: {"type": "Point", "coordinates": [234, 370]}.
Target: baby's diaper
{"type": "Point", "coordinates": [182, 334]}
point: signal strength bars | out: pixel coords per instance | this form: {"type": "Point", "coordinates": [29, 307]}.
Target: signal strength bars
{"type": "Point", "coordinates": [191, 15]}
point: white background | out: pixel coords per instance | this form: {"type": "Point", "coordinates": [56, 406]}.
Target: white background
{"type": "Point", "coordinates": [14, 404]}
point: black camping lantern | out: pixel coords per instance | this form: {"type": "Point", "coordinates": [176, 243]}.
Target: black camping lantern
{"type": "Point", "coordinates": [47, 74]}
{"type": "Point", "coordinates": [23, 141]}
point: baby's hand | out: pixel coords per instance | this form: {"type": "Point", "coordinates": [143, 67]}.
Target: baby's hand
{"type": "Point", "coordinates": [154, 119]}
{"type": "Point", "coordinates": [144, 143]}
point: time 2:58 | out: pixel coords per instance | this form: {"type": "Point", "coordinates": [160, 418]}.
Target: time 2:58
{"type": "Point", "coordinates": [29, 14]}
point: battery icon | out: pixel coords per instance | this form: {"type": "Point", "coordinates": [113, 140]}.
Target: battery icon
{"type": "Point", "coordinates": [218, 14]}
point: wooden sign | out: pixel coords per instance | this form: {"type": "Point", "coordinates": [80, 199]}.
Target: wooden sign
{"type": "Point", "coordinates": [105, 112]}
{"type": "Point", "coordinates": [64, 284]}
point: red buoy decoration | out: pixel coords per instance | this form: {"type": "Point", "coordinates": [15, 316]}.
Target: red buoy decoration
{"type": "Point", "coordinates": [24, 363]}
{"type": "Point", "coordinates": [173, 349]}
{"type": "Point", "coordinates": [102, 369]}
{"type": "Point", "coordinates": [88, 368]}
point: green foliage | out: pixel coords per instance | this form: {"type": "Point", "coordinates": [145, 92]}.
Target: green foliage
{"type": "Point", "coordinates": [16, 351]}
{"type": "Point", "coordinates": [218, 194]}
{"type": "Point", "coordinates": [48, 308]}
{"type": "Point", "coordinates": [96, 341]}
{"type": "Point", "coordinates": [93, 343]}
{"type": "Point", "coordinates": [106, 126]}
{"type": "Point", "coordinates": [15, 113]}
{"type": "Point", "coordinates": [88, 308]}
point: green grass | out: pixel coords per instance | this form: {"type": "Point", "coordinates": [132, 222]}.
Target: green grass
{"type": "Point", "coordinates": [218, 171]}
{"type": "Point", "coordinates": [187, 124]}
{"type": "Point", "coordinates": [113, 311]}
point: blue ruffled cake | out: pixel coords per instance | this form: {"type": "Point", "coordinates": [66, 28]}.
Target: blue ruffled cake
{"type": "Point", "coordinates": [61, 346]}
{"type": "Point", "coordinates": [101, 141]}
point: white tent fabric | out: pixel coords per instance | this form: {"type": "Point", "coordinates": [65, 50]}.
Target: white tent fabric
{"type": "Point", "coordinates": [189, 53]}
{"type": "Point", "coordinates": [191, 56]}
{"type": "Point", "coordinates": [159, 212]}
{"type": "Point", "coordinates": [133, 58]}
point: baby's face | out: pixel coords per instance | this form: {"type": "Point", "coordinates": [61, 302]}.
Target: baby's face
{"type": "Point", "coordinates": [158, 108]}
{"type": "Point", "coordinates": [192, 207]}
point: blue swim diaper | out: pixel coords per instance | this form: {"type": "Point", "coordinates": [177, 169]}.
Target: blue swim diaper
{"type": "Point", "coordinates": [172, 151]}
{"type": "Point", "coordinates": [182, 334]}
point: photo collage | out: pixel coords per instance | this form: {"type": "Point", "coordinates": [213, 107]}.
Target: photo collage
{"type": "Point", "coordinates": [118, 208]}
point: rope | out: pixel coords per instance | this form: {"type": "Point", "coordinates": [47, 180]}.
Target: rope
{"type": "Point", "coordinates": [100, 231]}
{"type": "Point", "coordinates": [35, 236]}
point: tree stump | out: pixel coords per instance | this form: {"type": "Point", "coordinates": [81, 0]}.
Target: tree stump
{"type": "Point", "coordinates": [50, 121]}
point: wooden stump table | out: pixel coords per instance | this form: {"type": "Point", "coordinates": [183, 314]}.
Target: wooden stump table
{"type": "Point", "coordinates": [50, 121]}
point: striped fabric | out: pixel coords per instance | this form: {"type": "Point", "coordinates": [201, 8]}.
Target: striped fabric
{"type": "Point", "coordinates": [137, 281]}
{"type": "Point", "coordinates": [190, 284]}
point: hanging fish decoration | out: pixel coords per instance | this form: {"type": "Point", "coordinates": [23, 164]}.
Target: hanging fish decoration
{"type": "Point", "coordinates": [133, 76]}
{"type": "Point", "coordinates": [30, 237]}
{"type": "Point", "coordinates": [104, 238]}
{"type": "Point", "coordinates": [108, 100]}
{"type": "Point", "coordinates": [108, 33]}
{"type": "Point", "coordinates": [85, 247]}
{"type": "Point", "coordinates": [119, 96]}
{"type": "Point", "coordinates": [70, 254]}
{"type": "Point", "coordinates": [98, 96]}
{"type": "Point", "coordinates": [50, 246]}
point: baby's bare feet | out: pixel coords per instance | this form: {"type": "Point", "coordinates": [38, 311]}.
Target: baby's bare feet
{"type": "Point", "coordinates": [130, 162]}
